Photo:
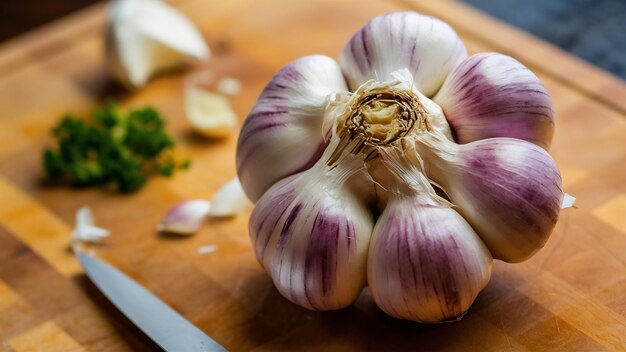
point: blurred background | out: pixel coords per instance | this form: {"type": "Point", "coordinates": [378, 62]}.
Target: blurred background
{"type": "Point", "coordinates": [18, 16]}
{"type": "Point", "coordinates": [594, 30]}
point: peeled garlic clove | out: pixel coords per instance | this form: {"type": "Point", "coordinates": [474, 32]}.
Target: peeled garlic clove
{"type": "Point", "coordinates": [509, 190]}
{"type": "Point", "coordinates": [312, 237]}
{"type": "Point", "coordinates": [230, 200]}
{"type": "Point", "coordinates": [425, 263]}
{"type": "Point", "coordinates": [185, 218]}
{"type": "Point", "coordinates": [209, 114]}
{"type": "Point", "coordinates": [428, 47]}
{"type": "Point", "coordinates": [148, 36]}
{"type": "Point", "coordinates": [283, 133]}
{"type": "Point", "coordinates": [493, 95]}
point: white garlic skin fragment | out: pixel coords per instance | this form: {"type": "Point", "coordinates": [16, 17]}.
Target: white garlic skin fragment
{"type": "Point", "coordinates": [85, 230]}
{"type": "Point", "coordinates": [144, 37]}
{"type": "Point", "coordinates": [208, 249]}
{"type": "Point", "coordinates": [312, 237]}
{"type": "Point", "coordinates": [428, 47]}
{"type": "Point", "coordinates": [185, 218]}
{"type": "Point", "coordinates": [283, 134]}
{"type": "Point", "coordinates": [425, 263]}
{"type": "Point", "coordinates": [493, 95]}
{"type": "Point", "coordinates": [508, 189]}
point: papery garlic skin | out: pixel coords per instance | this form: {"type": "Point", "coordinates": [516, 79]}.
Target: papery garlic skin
{"type": "Point", "coordinates": [428, 47]}
{"type": "Point", "coordinates": [148, 36]}
{"type": "Point", "coordinates": [371, 116]}
{"type": "Point", "coordinates": [283, 134]}
{"type": "Point", "coordinates": [493, 95]}
{"type": "Point", "coordinates": [85, 230]}
{"type": "Point", "coordinates": [509, 190]}
{"type": "Point", "coordinates": [312, 237]}
{"type": "Point", "coordinates": [425, 263]}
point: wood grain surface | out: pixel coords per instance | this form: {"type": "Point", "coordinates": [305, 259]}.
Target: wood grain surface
{"type": "Point", "coordinates": [569, 297]}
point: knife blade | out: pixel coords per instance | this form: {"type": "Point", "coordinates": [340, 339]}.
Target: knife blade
{"type": "Point", "coordinates": [157, 320]}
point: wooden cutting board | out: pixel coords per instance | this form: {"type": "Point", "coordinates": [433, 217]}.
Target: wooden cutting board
{"type": "Point", "coordinates": [570, 297]}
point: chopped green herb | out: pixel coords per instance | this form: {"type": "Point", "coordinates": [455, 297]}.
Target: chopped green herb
{"type": "Point", "coordinates": [111, 148]}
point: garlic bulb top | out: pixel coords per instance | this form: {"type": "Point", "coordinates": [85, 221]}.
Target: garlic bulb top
{"type": "Point", "coordinates": [338, 154]}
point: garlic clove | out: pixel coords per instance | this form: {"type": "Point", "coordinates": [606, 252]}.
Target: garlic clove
{"type": "Point", "coordinates": [508, 189]}
{"type": "Point", "coordinates": [145, 37]}
{"type": "Point", "coordinates": [185, 218]}
{"type": "Point", "coordinates": [230, 200]}
{"type": "Point", "coordinates": [312, 237]}
{"type": "Point", "coordinates": [425, 262]}
{"type": "Point", "coordinates": [493, 95]}
{"type": "Point", "coordinates": [427, 46]}
{"type": "Point", "coordinates": [209, 114]}
{"type": "Point", "coordinates": [283, 133]}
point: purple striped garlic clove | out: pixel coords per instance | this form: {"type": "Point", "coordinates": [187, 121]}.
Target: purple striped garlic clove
{"type": "Point", "coordinates": [283, 133]}
{"type": "Point", "coordinates": [312, 237]}
{"type": "Point", "coordinates": [425, 262]}
{"type": "Point", "coordinates": [185, 218]}
{"type": "Point", "coordinates": [493, 95]}
{"type": "Point", "coordinates": [428, 47]}
{"type": "Point", "coordinates": [508, 189]}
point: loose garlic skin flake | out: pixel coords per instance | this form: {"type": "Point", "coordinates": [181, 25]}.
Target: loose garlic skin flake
{"type": "Point", "coordinates": [358, 146]}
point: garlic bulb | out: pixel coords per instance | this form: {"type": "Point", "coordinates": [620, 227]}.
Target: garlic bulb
{"type": "Point", "coordinates": [343, 159]}
{"type": "Point", "coordinates": [144, 37]}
